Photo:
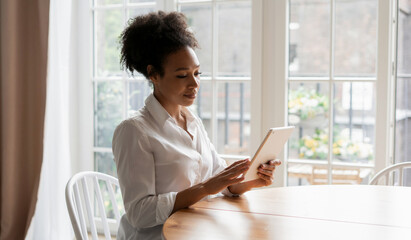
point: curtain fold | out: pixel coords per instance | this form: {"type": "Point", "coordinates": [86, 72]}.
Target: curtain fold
{"type": "Point", "coordinates": [51, 220]}
{"type": "Point", "coordinates": [23, 72]}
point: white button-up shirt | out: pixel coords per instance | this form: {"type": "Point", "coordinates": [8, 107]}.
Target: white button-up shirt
{"type": "Point", "coordinates": [155, 159]}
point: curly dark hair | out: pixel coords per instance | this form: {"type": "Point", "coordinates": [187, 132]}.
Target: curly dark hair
{"type": "Point", "coordinates": [150, 38]}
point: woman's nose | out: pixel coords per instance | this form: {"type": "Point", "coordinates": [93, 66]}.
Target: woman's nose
{"type": "Point", "coordinates": [194, 81]}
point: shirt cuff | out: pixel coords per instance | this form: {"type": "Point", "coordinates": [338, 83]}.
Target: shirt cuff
{"type": "Point", "coordinates": [227, 193]}
{"type": "Point", "coordinates": [165, 205]}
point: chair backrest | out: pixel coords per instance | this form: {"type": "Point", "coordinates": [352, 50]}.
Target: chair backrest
{"type": "Point", "coordinates": [94, 204]}
{"type": "Point", "coordinates": [389, 171]}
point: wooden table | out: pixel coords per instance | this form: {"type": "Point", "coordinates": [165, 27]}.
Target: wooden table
{"type": "Point", "coordinates": [305, 212]}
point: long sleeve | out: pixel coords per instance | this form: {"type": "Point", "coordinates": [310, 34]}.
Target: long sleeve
{"type": "Point", "coordinates": [136, 171]}
{"type": "Point", "coordinates": [219, 164]}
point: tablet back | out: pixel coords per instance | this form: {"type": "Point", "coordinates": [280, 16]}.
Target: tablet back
{"type": "Point", "coordinates": [270, 148]}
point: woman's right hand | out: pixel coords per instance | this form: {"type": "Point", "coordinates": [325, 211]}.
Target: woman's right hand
{"type": "Point", "coordinates": [227, 177]}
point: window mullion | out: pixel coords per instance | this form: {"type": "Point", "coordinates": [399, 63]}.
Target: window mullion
{"type": "Point", "coordinates": [384, 76]}
{"type": "Point", "coordinates": [214, 31]}
{"type": "Point", "coordinates": [256, 74]}
{"type": "Point", "coordinates": [95, 119]}
{"type": "Point", "coordinates": [331, 91]}
{"type": "Point", "coordinates": [274, 73]}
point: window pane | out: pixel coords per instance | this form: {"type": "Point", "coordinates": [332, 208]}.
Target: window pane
{"type": "Point", "coordinates": [234, 39]}
{"type": "Point", "coordinates": [340, 175]}
{"type": "Point", "coordinates": [108, 26]}
{"type": "Point", "coordinates": [134, 12]}
{"type": "Point", "coordinates": [403, 120]}
{"type": "Point", "coordinates": [351, 175]}
{"type": "Point", "coordinates": [108, 111]}
{"type": "Point", "coordinates": [354, 122]}
{"type": "Point", "coordinates": [299, 174]}
{"type": "Point", "coordinates": [137, 94]}
{"type": "Point", "coordinates": [104, 162]}
{"type": "Point", "coordinates": [308, 174]}
{"type": "Point", "coordinates": [309, 31]}
{"type": "Point", "coordinates": [199, 18]}
{"type": "Point", "coordinates": [107, 2]}
{"type": "Point", "coordinates": [404, 37]}
{"type": "Point", "coordinates": [355, 37]}
{"type": "Point", "coordinates": [308, 110]}
{"type": "Point", "coordinates": [403, 88]}
{"type": "Point", "coordinates": [203, 105]}
{"type": "Point", "coordinates": [233, 118]}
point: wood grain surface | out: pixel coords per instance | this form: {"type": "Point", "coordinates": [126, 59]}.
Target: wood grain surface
{"type": "Point", "coordinates": [307, 212]}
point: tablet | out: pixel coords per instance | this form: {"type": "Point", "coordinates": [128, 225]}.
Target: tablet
{"type": "Point", "coordinates": [270, 148]}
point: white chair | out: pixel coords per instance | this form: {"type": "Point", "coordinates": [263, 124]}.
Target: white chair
{"type": "Point", "coordinates": [388, 171]}
{"type": "Point", "coordinates": [94, 195]}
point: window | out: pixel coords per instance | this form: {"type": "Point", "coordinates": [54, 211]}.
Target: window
{"type": "Point", "coordinates": [314, 64]}
{"type": "Point", "coordinates": [116, 95]}
{"type": "Point", "coordinates": [223, 29]}
{"type": "Point", "coordinates": [332, 76]}
{"type": "Point", "coordinates": [403, 88]}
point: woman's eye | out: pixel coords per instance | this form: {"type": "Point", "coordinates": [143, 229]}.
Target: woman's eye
{"type": "Point", "coordinates": [182, 76]}
{"type": "Point", "coordinates": [198, 73]}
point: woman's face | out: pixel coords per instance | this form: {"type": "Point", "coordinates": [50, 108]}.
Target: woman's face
{"type": "Point", "coordinates": [181, 80]}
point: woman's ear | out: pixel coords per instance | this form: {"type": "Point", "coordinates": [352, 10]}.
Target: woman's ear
{"type": "Point", "coordinates": [153, 76]}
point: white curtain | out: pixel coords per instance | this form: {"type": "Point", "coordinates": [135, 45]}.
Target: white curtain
{"type": "Point", "coordinates": [51, 219]}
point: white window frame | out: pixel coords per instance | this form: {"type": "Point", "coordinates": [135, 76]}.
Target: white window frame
{"type": "Point", "coordinates": [275, 64]}
{"type": "Point", "coordinates": [269, 62]}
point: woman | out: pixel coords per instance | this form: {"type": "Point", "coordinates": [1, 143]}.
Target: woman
{"type": "Point", "coordinates": [165, 161]}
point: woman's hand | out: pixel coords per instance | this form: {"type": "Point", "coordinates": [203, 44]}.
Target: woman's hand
{"type": "Point", "coordinates": [227, 177]}
{"type": "Point", "coordinates": [265, 174]}
{"type": "Point", "coordinates": [216, 184]}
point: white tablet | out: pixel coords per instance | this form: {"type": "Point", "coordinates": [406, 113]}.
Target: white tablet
{"type": "Point", "coordinates": [270, 148]}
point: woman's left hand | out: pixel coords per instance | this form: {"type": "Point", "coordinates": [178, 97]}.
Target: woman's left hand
{"type": "Point", "coordinates": [266, 173]}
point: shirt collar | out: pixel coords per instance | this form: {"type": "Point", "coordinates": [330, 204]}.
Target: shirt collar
{"type": "Point", "coordinates": [161, 115]}
{"type": "Point", "coordinates": [190, 118]}
{"type": "Point", "coordinates": [156, 110]}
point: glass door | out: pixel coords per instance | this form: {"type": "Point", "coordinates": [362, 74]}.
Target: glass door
{"type": "Point", "coordinates": [332, 79]}
{"type": "Point", "coordinates": [403, 88]}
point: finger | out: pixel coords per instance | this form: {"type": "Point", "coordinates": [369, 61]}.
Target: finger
{"type": "Point", "coordinates": [265, 172]}
{"type": "Point", "coordinates": [236, 180]}
{"type": "Point", "coordinates": [227, 171]}
{"type": "Point", "coordinates": [266, 178]}
{"type": "Point", "coordinates": [236, 172]}
{"type": "Point", "coordinates": [243, 164]}
{"type": "Point", "coordinates": [275, 162]}
{"type": "Point", "coordinates": [267, 167]}
{"type": "Point", "coordinates": [239, 163]}
{"type": "Point", "coordinates": [233, 171]}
